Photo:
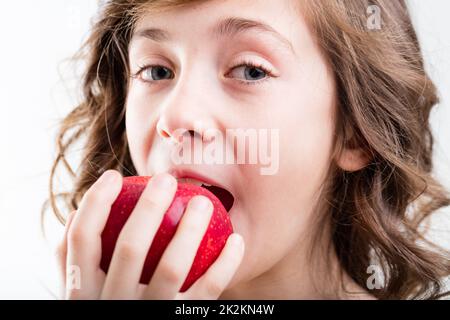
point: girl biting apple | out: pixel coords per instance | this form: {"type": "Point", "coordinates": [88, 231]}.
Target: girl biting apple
{"type": "Point", "coordinates": [353, 183]}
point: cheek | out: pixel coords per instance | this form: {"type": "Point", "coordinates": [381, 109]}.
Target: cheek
{"type": "Point", "coordinates": [307, 136]}
{"type": "Point", "coordinates": [306, 124]}
{"type": "Point", "coordinates": [139, 123]}
{"type": "Point", "coordinates": [307, 149]}
{"type": "Point", "coordinates": [306, 127]}
{"type": "Point", "coordinates": [302, 107]}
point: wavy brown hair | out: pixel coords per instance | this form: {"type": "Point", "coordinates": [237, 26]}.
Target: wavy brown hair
{"type": "Point", "coordinates": [384, 95]}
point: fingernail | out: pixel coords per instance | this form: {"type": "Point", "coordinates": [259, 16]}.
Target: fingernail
{"type": "Point", "coordinates": [200, 203]}
{"type": "Point", "coordinates": [163, 181]}
{"type": "Point", "coordinates": [109, 176]}
{"type": "Point", "coordinates": [237, 240]}
{"type": "Point", "coordinates": [70, 217]}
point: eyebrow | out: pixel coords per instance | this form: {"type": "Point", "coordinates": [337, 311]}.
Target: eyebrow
{"type": "Point", "coordinates": [230, 27]}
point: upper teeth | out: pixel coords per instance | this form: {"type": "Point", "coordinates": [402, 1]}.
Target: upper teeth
{"type": "Point", "coordinates": [193, 181]}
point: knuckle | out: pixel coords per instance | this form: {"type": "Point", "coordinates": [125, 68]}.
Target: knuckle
{"type": "Point", "coordinates": [151, 203]}
{"type": "Point", "coordinates": [129, 250]}
{"type": "Point", "coordinates": [170, 273]}
{"type": "Point", "coordinates": [92, 196]}
{"type": "Point", "coordinates": [77, 237]}
{"type": "Point", "coordinates": [213, 288]}
{"type": "Point", "coordinates": [192, 226]}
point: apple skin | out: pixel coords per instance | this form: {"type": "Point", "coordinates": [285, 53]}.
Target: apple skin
{"type": "Point", "coordinates": [210, 247]}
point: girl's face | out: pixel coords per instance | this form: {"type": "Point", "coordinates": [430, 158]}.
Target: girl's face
{"type": "Point", "coordinates": [195, 69]}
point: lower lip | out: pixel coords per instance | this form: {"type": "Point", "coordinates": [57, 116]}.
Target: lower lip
{"type": "Point", "coordinates": [195, 177]}
{"type": "Point", "coordinates": [204, 181]}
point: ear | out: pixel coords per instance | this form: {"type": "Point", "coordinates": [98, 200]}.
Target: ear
{"type": "Point", "coordinates": [352, 157]}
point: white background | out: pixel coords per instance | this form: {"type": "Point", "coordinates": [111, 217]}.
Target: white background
{"type": "Point", "coordinates": [36, 92]}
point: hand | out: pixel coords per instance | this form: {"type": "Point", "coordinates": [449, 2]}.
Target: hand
{"type": "Point", "coordinates": [79, 253]}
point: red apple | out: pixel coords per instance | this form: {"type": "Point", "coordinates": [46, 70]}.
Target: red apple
{"type": "Point", "coordinates": [210, 247]}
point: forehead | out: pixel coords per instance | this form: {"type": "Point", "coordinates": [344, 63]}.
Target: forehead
{"type": "Point", "coordinates": [212, 17]}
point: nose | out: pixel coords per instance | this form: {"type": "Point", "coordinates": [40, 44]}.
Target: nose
{"type": "Point", "coordinates": [193, 129]}
{"type": "Point", "coordinates": [187, 111]}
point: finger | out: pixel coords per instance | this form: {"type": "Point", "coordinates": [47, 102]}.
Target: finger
{"type": "Point", "coordinates": [220, 273]}
{"type": "Point", "coordinates": [61, 250]}
{"type": "Point", "coordinates": [136, 237]}
{"type": "Point", "coordinates": [84, 237]}
{"type": "Point", "coordinates": [179, 255]}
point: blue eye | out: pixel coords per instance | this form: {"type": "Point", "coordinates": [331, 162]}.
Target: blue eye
{"type": "Point", "coordinates": [249, 73]}
{"type": "Point", "coordinates": [155, 73]}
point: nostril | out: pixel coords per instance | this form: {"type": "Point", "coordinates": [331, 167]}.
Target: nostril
{"type": "Point", "coordinates": [191, 133]}
{"type": "Point", "coordinates": [180, 134]}
{"type": "Point", "coordinates": [162, 130]}
{"type": "Point", "coordinates": [164, 134]}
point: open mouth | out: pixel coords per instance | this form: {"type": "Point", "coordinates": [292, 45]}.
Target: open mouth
{"type": "Point", "coordinates": [225, 196]}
